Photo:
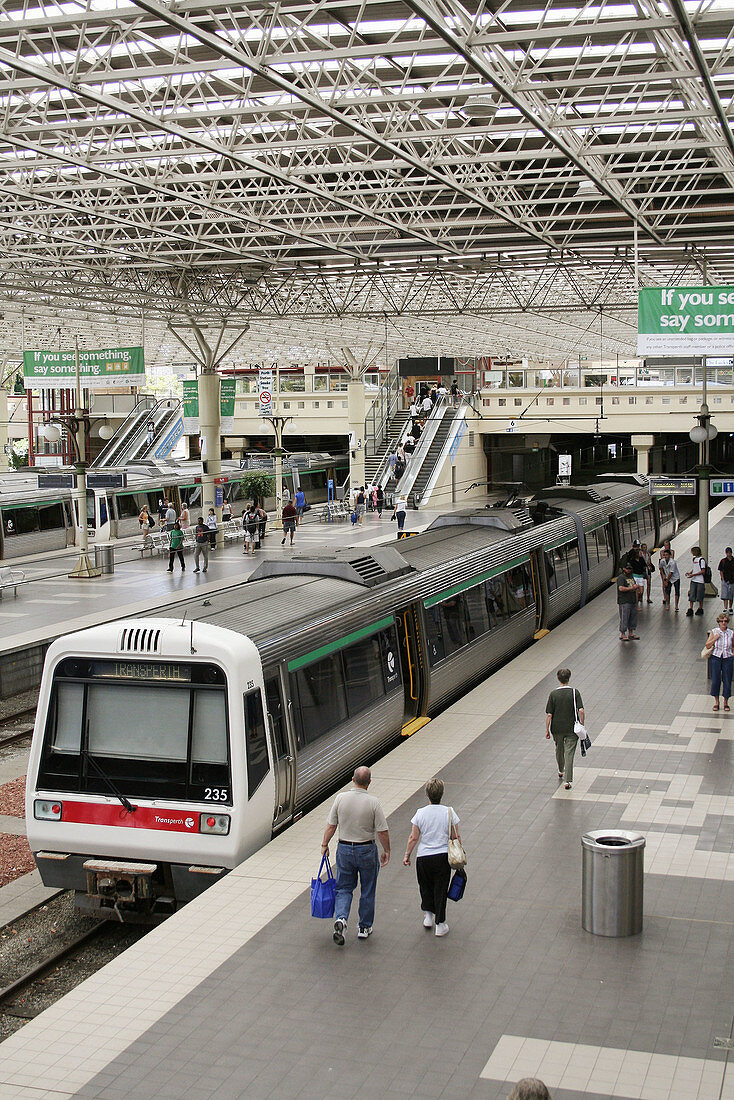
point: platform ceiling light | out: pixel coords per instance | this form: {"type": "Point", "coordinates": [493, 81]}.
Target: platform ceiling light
{"type": "Point", "coordinates": [587, 187]}
{"type": "Point", "coordinates": [290, 428]}
{"type": "Point", "coordinates": [105, 431]}
{"type": "Point", "coordinates": [480, 109]}
{"type": "Point", "coordinates": [265, 427]}
{"type": "Point", "coordinates": [699, 433]}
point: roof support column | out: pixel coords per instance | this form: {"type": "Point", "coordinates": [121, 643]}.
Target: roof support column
{"type": "Point", "coordinates": [643, 445]}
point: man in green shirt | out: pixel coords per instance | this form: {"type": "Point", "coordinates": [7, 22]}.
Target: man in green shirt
{"type": "Point", "coordinates": [560, 718]}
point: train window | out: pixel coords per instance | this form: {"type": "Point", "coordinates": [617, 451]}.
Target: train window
{"type": "Point", "coordinates": [476, 606]}
{"type": "Point", "coordinates": [67, 727]}
{"type": "Point", "coordinates": [363, 673]}
{"type": "Point", "coordinates": [209, 728]}
{"type": "Point", "coordinates": [322, 698]}
{"type": "Point", "coordinates": [519, 589]}
{"type": "Point", "coordinates": [572, 559]}
{"type": "Point", "coordinates": [434, 636]}
{"type": "Point", "coordinates": [496, 595]}
{"type": "Point", "coordinates": [256, 743]}
{"type": "Point", "coordinates": [102, 510]}
{"type": "Point", "coordinates": [454, 623]}
{"type": "Point", "coordinates": [390, 659]}
{"type": "Point", "coordinates": [20, 521]}
{"type": "Point", "coordinates": [50, 517]}
{"type": "Point", "coordinates": [134, 707]}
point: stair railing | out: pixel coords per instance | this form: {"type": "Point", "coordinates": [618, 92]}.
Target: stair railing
{"type": "Point", "coordinates": [383, 408]}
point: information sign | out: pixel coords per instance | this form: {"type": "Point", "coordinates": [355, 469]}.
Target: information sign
{"type": "Point", "coordinates": [265, 392]}
{"type": "Point", "coordinates": [672, 486]}
{"type": "Point", "coordinates": [722, 487]}
{"type": "Point", "coordinates": [226, 405]}
{"type": "Point", "coordinates": [105, 369]}
{"type": "Point", "coordinates": [191, 406]}
{"type": "Point", "coordinates": [564, 465]}
{"type": "Point", "coordinates": [680, 320]}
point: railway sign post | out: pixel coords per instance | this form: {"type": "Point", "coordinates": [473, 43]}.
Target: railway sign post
{"type": "Point", "coordinates": [672, 486]}
{"type": "Point", "coordinates": [722, 486]}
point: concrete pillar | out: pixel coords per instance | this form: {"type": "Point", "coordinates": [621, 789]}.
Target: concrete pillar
{"type": "Point", "coordinates": [643, 444]}
{"type": "Point", "coordinates": [210, 431]}
{"type": "Point", "coordinates": [356, 412]}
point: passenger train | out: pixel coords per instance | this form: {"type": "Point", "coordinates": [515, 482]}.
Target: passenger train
{"type": "Point", "coordinates": [35, 520]}
{"type": "Point", "coordinates": [168, 749]}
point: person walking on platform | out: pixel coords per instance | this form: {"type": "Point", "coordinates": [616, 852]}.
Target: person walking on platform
{"type": "Point", "coordinates": [359, 818]}
{"type": "Point", "coordinates": [290, 517]}
{"type": "Point", "coordinates": [175, 546]}
{"type": "Point", "coordinates": [300, 504]}
{"type": "Point", "coordinates": [431, 833]}
{"type": "Point", "coordinates": [726, 572]}
{"type": "Point", "coordinates": [647, 558]}
{"type": "Point", "coordinates": [380, 502]}
{"type": "Point", "coordinates": [170, 517]}
{"type": "Point", "coordinates": [201, 539]}
{"type": "Point", "coordinates": [530, 1088]}
{"type": "Point", "coordinates": [185, 517]}
{"type": "Point", "coordinates": [671, 577]}
{"type": "Point", "coordinates": [226, 512]}
{"type": "Point", "coordinates": [720, 642]}
{"type": "Point", "coordinates": [627, 601]}
{"type": "Point", "coordinates": [250, 525]}
{"type": "Point", "coordinates": [400, 511]}
{"type": "Point", "coordinates": [561, 711]}
{"type": "Point", "coordinates": [697, 574]}
{"type": "Point", "coordinates": [211, 523]}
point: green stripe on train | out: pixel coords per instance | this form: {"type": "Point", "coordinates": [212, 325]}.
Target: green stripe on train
{"type": "Point", "coordinates": [339, 643]}
{"type": "Point", "coordinates": [447, 592]}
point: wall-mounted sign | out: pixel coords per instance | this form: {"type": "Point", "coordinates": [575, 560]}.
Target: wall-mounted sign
{"type": "Point", "coordinates": [672, 486]}
{"type": "Point", "coordinates": [675, 320]}
{"type": "Point", "coordinates": [722, 487]}
{"type": "Point", "coordinates": [564, 465]}
{"type": "Point", "coordinates": [265, 392]}
{"type": "Point", "coordinates": [226, 405]}
{"type": "Point", "coordinates": [105, 369]}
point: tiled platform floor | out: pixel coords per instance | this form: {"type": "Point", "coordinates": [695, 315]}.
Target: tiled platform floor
{"type": "Point", "coordinates": [244, 995]}
{"type": "Point", "coordinates": [52, 604]}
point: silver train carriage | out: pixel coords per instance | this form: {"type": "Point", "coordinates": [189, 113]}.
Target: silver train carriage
{"type": "Point", "coordinates": [166, 750]}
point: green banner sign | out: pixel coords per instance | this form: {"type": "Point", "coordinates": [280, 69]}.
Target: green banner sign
{"type": "Point", "coordinates": [106, 369]}
{"type": "Point", "coordinates": [685, 320]}
{"type": "Point", "coordinates": [226, 404]}
{"type": "Point", "coordinates": [191, 405]}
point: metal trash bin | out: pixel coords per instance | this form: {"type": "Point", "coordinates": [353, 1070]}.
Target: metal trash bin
{"type": "Point", "coordinates": [104, 557]}
{"type": "Point", "coordinates": [612, 882]}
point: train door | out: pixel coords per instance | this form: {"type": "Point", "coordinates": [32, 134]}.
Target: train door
{"type": "Point", "coordinates": [539, 579]}
{"type": "Point", "coordinates": [285, 763]}
{"type": "Point", "coordinates": [412, 662]}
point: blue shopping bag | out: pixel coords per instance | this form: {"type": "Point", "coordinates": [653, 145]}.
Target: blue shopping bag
{"type": "Point", "coordinates": [458, 885]}
{"type": "Point", "coordinates": [323, 892]}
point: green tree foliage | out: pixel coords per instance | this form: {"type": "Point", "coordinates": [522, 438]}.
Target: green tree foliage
{"type": "Point", "coordinates": [256, 485]}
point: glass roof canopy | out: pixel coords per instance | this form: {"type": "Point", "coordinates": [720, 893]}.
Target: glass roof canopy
{"type": "Point", "coordinates": [435, 176]}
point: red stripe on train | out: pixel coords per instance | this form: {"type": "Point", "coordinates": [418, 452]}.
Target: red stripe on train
{"type": "Point", "coordinates": [144, 817]}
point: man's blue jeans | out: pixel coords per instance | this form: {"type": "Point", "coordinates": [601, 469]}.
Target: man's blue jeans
{"type": "Point", "coordinates": [352, 861]}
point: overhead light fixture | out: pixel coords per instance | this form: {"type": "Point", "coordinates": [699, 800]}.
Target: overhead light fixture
{"type": "Point", "coordinates": [587, 187]}
{"type": "Point", "coordinates": [480, 109]}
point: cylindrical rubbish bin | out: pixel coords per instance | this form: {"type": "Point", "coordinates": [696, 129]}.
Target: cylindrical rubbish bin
{"type": "Point", "coordinates": [104, 557]}
{"type": "Point", "coordinates": [612, 882]}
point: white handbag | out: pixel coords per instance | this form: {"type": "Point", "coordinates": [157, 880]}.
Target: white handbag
{"type": "Point", "coordinates": [578, 727]}
{"type": "Point", "coordinates": [457, 855]}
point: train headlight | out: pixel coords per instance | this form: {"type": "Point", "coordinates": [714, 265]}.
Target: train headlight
{"type": "Point", "coordinates": [43, 810]}
{"type": "Point", "coordinates": [214, 823]}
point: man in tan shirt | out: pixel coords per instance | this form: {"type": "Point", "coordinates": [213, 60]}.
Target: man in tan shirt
{"type": "Point", "coordinates": [358, 816]}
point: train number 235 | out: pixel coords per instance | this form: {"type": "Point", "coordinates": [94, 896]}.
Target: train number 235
{"type": "Point", "coordinates": [215, 794]}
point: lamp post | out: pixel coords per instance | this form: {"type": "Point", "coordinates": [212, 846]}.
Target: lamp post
{"type": "Point", "coordinates": [79, 426]}
{"type": "Point", "coordinates": [279, 425]}
{"type": "Point", "coordinates": [702, 433]}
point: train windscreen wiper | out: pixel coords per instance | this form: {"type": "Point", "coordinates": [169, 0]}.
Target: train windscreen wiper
{"type": "Point", "coordinates": [110, 782]}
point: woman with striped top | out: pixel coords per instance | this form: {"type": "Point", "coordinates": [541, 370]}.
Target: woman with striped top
{"type": "Point", "coordinates": [721, 660]}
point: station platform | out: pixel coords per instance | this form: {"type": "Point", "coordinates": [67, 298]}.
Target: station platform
{"type": "Point", "coordinates": [50, 603]}
{"type": "Point", "coordinates": [243, 994]}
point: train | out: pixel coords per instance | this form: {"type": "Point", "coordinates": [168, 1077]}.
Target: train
{"type": "Point", "coordinates": [169, 748]}
{"type": "Point", "coordinates": [35, 519]}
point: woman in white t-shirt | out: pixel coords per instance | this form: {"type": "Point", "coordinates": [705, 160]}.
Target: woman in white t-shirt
{"type": "Point", "coordinates": [431, 833]}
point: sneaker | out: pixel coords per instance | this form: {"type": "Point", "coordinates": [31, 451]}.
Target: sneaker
{"type": "Point", "coordinates": [429, 920]}
{"type": "Point", "coordinates": [567, 786]}
{"type": "Point", "coordinates": [689, 613]}
{"type": "Point", "coordinates": [340, 927]}
{"type": "Point", "coordinates": [197, 570]}
{"type": "Point", "coordinates": [364, 932]}
{"type": "Point", "coordinates": [700, 611]}
{"type": "Point", "coordinates": [205, 568]}
{"type": "Point", "coordinates": [442, 929]}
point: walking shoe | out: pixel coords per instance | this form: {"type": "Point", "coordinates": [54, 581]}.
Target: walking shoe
{"type": "Point", "coordinates": [364, 932]}
{"type": "Point", "coordinates": [689, 613]}
{"type": "Point", "coordinates": [429, 919]}
{"type": "Point", "coordinates": [442, 929]}
{"type": "Point", "coordinates": [567, 786]}
{"type": "Point", "coordinates": [196, 570]}
{"type": "Point", "coordinates": [282, 542]}
{"type": "Point", "coordinates": [700, 611]}
{"type": "Point", "coordinates": [340, 927]}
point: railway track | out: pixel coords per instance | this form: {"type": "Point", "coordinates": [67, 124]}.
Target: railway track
{"type": "Point", "coordinates": [10, 994]}
{"type": "Point", "coordinates": [13, 736]}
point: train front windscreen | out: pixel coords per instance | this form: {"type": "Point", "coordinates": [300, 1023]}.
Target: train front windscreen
{"type": "Point", "coordinates": [145, 729]}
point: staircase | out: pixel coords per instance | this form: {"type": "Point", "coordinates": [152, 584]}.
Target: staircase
{"type": "Point", "coordinates": [374, 463]}
{"type": "Point", "coordinates": [432, 456]}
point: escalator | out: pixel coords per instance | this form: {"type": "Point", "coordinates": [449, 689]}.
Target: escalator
{"type": "Point", "coordinates": [132, 442]}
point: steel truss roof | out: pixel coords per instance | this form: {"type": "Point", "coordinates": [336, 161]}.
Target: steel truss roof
{"type": "Point", "coordinates": [434, 176]}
